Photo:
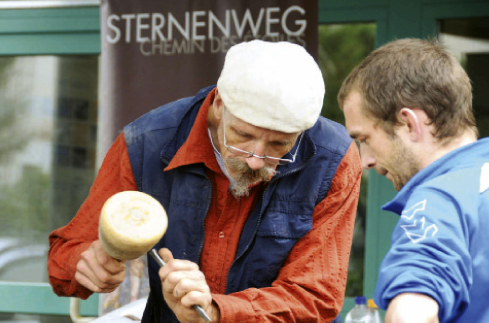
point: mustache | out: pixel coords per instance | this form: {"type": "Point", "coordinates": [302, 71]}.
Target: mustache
{"type": "Point", "coordinates": [244, 176]}
{"type": "Point", "coordinates": [253, 175]}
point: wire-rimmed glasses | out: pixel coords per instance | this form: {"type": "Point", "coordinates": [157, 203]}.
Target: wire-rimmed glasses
{"type": "Point", "coordinates": [267, 159]}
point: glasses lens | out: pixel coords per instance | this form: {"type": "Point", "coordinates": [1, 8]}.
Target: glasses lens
{"type": "Point", "coordinates": [277, 161]}
{"type": "Point", "coordinates": [238, 152]}
{"type": "Point", "coordinates": [269, 160]}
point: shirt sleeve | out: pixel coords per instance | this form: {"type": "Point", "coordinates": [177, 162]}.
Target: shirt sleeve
{"type": "Point", "coordinates": [430, 253]}
{"type": "Point", "coordinates": [67, 243]}
{"type": "Point", "coordinates": [311, 285]}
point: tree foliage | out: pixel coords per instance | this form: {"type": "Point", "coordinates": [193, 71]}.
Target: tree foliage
{"type": "Point", "coordinates": [12, 107]}
{"type": "Point", "coordinates": [25, 205]}
{"type": "Point", "coordinates": [342, 48]}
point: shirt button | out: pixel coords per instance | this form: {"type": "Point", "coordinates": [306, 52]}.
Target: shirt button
{"type": "Point", "coordinates": [221, 234]}
{"type": "Point", "coordinates": [213, 279]}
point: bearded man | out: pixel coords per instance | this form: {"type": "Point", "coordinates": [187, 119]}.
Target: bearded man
{"type": "Point", "coordinates": [260, 192]}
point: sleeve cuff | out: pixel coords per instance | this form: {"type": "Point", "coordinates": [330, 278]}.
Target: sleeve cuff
{"type": "Point", "coordinates": [233, 309]}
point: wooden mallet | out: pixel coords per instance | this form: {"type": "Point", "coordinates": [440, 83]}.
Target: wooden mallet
{"type": "Point", "coordinates": [131, 223]}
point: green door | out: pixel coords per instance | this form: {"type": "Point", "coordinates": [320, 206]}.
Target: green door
{"type": "Point", "coordinates": [49, 61]}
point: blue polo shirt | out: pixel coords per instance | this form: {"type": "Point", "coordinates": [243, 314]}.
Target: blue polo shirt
{"type": "Point", "coordinates": [440, 246]}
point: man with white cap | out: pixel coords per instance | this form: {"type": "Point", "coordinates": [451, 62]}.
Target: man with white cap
{"type": "Point", "coordinates": [260, 192]}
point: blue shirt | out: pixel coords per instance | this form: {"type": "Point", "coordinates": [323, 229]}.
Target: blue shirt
{"type": "Point", "coordinates": [440, 246]}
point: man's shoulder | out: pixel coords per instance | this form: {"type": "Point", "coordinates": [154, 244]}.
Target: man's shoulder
{"type": "Point", "coordinates": [460, 178]}
{"type": "Point", "coordinates": [330, 135]}
{"type": "Point", "coordinates": [167, 116]}
{"type": "Point", "coordinates": [459, 186]}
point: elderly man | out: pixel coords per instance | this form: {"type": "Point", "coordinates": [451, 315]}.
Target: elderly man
{"type": "Point", "coordinates": [409, 105]}
{"type": "Point", "coordinates": [260, 192]}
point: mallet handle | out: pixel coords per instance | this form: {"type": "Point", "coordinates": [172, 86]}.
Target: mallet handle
{"type": "Point", "coordinates": [198, 308]}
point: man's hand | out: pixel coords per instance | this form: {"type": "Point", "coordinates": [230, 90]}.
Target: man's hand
{"type": "Point", "coordinates": [412, 308]}
{"type": "Point", "coordinates": [183, 286]}
{"type": "Point", "coordinates": [98, 271]}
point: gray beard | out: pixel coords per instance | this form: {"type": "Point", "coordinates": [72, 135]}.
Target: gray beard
{"type": "Point", "coordinates": [244, 176]}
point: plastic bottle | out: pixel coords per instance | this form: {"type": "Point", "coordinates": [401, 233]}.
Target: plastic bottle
{"type": "Point", "coordinates": [360, 313]}
{"type": "Point", "coordinates": [374, 309]}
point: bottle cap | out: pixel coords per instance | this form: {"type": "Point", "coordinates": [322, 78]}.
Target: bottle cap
{"type": "Point", "coordinates": [372, 304]}
{"type": "Point", "coordinates": [359, 300]}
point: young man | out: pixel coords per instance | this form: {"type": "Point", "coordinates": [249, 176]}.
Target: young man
{"type": "Point", "coordinates": [409, 105]}
{"type": "Point", "coordinates": [260, 192]}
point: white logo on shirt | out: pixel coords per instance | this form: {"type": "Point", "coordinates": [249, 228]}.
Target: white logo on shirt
{"type": "Point", "coordinates": [409, 214]}
{"type": "Point", "coordinates": [484, 181]}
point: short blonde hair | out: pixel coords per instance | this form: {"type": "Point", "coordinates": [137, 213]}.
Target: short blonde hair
{"type": "Point", "coordinates": [413, 73]}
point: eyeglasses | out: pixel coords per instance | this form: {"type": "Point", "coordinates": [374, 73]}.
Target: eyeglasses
{"type": "Point", "coordinates": [267, 159]}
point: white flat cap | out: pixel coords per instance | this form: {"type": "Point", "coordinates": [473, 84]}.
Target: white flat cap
{"type": "Point", "coordinates": [275, 86]}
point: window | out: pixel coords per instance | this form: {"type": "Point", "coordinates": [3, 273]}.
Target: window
{"type": "Point", "coordinates": [468, 40]}
{"type": "Point", "coordinates": [48, 134]}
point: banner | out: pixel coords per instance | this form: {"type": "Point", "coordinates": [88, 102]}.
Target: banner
{"type": "Point", "coordinates": [155, 52]}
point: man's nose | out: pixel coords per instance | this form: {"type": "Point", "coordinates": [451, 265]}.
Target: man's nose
{"type": "Point", "coordinates": [368, 160]}
{"type": "Point", "coordinates": [255, 163]}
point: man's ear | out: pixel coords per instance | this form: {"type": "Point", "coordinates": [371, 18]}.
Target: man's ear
{"type": "Point", "coordinates": [217, 106]}
{"type": "Point", "coordinates": [410, 119]}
